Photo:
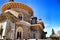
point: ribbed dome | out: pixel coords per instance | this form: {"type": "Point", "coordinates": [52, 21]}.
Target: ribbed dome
{"type": "Point", "coordinates": [10, 5]}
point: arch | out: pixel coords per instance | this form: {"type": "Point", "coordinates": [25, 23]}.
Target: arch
{"type": "Point", "coordinates": [21, 15]}
{"type": "Point", "coordinates": [20, 30]}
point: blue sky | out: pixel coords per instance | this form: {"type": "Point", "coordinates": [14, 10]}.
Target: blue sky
{"type": "Point", "coordinates": [48, 10]}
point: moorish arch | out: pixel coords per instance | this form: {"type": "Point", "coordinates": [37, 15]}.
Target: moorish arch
{"type": "Point", "coordinates": [19, 33]}
{"type": "Point", "coordinates": [21, 15]}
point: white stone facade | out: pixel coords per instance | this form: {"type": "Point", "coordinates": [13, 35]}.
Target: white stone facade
{"type": "Point", "coordinates": [21, 24]}
{"type": "Point", "coordinates": [6, 26]}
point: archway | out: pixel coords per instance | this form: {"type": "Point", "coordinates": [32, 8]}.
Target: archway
{"type": "Point", "coordinates": [19, 33]}
{"type": "Point", "coordinates": [20, 16]}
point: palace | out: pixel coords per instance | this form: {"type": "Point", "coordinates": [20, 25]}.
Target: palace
{"type": "Point", "coordinates": [17, 21]}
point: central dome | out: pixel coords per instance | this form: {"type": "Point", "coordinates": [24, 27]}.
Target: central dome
{"type": "Point", "coordinates": [10, 5]}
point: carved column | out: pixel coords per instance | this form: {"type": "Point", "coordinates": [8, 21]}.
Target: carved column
{"type": "Point", "coordinates": [13, 31]}
{"type": "Point", "coordinates": [12, 34]}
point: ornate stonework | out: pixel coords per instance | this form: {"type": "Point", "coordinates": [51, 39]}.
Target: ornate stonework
{"type": "Point", "coordinates": [16, 5]}
{"type": "Point", "coordinates": [4, 17]}
{"type": "Point", "coordinates": [20, 23]}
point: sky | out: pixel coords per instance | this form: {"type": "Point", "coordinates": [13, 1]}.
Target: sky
{"type": "Point", "coordinates": [48, 10]}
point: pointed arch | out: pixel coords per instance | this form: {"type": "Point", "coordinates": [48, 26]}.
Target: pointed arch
{"type": "Point", "coordinates": [19, 33]}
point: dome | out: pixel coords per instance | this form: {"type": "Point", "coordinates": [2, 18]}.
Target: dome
{"type": "Point", "coordinates": [10, 5]}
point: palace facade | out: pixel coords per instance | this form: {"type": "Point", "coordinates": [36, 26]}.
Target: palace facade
{"type": "Point", "coordinates": [17, 21]}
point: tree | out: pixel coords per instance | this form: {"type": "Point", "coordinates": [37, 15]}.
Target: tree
{"type": "Point", "coordinates": [53, 31]}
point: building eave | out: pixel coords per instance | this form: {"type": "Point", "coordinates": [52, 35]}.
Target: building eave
{"type": "Point", "coordinates": [4, 17]}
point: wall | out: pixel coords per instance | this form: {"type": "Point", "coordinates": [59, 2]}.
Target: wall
{"type": "Point", "coordinates": [6, 25]}
{"type": "Point", "coordinates": [3, 24]}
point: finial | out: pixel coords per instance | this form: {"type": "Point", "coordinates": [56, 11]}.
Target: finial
{"type": "Point", "coordinates": [11, 0]}
{"type": "Point", "coordinates": [40, 19]}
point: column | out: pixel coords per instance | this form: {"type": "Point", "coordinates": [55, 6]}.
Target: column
{"type": "Point", "coordinates": [13, 31]}
{"type": "Point", "coordinates": [12, 34]}
{"type": "Point", "coordinates": [4, 29]}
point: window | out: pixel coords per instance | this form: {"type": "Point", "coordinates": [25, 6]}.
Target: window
{"type": "Point", "coordinates": [20, 17]}
{"type": "Point", "coordinates": [33, 35]}
{"type": "Point", "coordinates": [18, 35]}
{"type": "Point", "coordinates": [34, 20]}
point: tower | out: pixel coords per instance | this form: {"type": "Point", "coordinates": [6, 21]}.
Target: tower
{"type": "Point", "coordinates": [53, 31]}
{"type": "Point", "coordinates": [54, 36]}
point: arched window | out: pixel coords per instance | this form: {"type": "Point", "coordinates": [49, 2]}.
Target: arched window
{"type": "Point", "coordinates": [33, 35]}
{"type": "Point", "coordinates": [18, 35]}
{"type": "Point", "coordinates": [20, 17]}
{"type": "Point", "coordinates": [34, 20]}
